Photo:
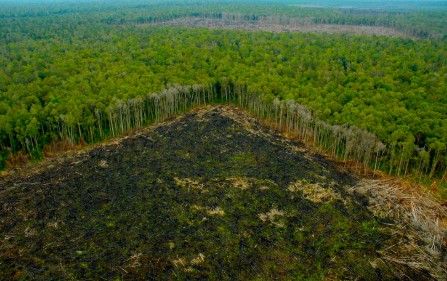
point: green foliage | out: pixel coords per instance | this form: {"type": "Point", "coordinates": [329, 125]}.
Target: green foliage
{"type": "Point", "coordinates": [85, 73]}
{"type": "Point", "coordinates": [3, 158]}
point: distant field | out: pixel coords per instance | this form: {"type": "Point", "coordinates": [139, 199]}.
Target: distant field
{"type": "Point", "coordinates": [373, 5]}
{"type": "Point", "coordinates": [275, 27]}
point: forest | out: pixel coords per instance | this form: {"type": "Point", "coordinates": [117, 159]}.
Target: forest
{"type": "Point", "coordinates": [76, 74]}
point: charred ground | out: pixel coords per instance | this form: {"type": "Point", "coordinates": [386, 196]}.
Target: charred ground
{"type": "Point", "coordinates": [210, 195]}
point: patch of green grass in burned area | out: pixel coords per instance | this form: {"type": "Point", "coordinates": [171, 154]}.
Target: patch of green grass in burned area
{"type": "Point", "coordinates": [199, 198]}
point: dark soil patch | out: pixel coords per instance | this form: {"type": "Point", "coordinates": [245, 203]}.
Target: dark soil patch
{"type": "Point", "coordinates": [204, 197]}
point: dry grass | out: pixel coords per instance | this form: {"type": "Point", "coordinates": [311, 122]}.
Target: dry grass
{"type": "Point", "coordinates": [240, 182]}
{"type": "Point", "coordinates": [185, 265]}
{"type": "Point", "coordinates": [216, 212]}
{"type": "Point", "coordinates": [313, 192]}
{"type": "Point", "coordinates": [198, 260]}
{"type": "Point", "coordinates": [419, 219]}
{"type": "Point", "coordinates": [272, 217]}
{"type": "Point", "coordinates": [188, 183]}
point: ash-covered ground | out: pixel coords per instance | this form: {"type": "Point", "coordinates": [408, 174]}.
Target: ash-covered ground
{"type": "Point", "coordinates": [212, 195]}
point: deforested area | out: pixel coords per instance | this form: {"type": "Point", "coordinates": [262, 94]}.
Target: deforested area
{"type": "Point", "coordinates": [223, 140]}
{"type": "Point", "coordinates": [211, 195]}
{"type": "Point", "coordinates": [276, 25]}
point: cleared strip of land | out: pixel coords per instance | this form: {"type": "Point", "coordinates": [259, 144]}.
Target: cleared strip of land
{"type": "Point", "coordinates": [266, 25]}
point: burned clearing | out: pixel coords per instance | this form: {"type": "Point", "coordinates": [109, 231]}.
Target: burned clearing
{"type": "Point", "coordinates": [212, 195]}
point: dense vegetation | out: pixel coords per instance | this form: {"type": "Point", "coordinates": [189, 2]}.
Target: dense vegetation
{"type": "Point", "coordinates": [422, 19]}
{"type": "Point", "coordinates": [87, 72]}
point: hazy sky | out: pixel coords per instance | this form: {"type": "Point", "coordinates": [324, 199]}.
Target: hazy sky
{"type": "Point", "coordinates": [323, 3]}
